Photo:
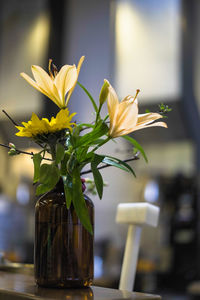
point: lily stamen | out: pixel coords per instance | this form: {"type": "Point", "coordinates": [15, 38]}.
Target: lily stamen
{"type": "Point", "coordinates": [55, 70]}
{"type": "Point", "coordinates": [137, 92]}
{"type": "Point", "coordinates": [50, 72]}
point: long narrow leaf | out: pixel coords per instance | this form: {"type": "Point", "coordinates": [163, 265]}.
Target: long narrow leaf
{"type": "Point", "coordinates": [118, 163]}
{"type": "Point", "coordinates": [60, 152]}
{"type": "Point", "coordinates": [67, 182]}
{"type": "Point", "coordinates": [89, 95]}
{"type": "Point", "coordinates": [86, 125]}
{"type": "Point", "coordinates": [79, 201]}
{"type": "Point", "coordinates": [136, 145]}
{"type": "Point", "coordinates": [98, 180]}
{"type": "Point", "coordinates": [92, 136]}
{"type": "Point", "coordinates": [37, 158]}
{"type": "Point", "coordinates": [114, 164]}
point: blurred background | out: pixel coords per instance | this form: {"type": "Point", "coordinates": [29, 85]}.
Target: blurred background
{"type": "Point", "coordinates": [151, 45]}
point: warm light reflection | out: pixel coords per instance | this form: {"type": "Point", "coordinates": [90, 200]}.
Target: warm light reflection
{"type": "Point", "coordinates": [22, 165]}
{"type": "Point", "coordinates": [38, 36]}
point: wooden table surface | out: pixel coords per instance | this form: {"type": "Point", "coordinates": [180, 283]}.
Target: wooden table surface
{"type": "Point", "coordinates": [15, 286]}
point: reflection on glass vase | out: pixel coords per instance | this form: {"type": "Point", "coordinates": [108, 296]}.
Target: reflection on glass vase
{"type": "Point", "coordinates": [63, 247]}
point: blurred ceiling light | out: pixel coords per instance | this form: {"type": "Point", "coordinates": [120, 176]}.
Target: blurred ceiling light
{"type": "Point", "coordinates": [148, 48]}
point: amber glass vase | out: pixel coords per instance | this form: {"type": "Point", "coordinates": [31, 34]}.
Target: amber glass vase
{"type": "Point", "coordinates": [63, 247]}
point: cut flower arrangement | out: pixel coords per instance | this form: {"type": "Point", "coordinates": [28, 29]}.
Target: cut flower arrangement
{"type": "Point", "coordinates": [73, 145]}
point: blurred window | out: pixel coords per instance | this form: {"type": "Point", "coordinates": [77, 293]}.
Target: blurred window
{"type": "Point", "coordinates": [148, 45]}
{"type": "Point", "coordinates": [24, 36]}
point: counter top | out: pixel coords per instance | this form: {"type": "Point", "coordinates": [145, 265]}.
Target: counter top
{"type": "Point", "coordinates": [15, 286]}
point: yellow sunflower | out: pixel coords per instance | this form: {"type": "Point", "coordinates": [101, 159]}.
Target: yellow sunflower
{"type": "Point", "coordinates": [36, 126]}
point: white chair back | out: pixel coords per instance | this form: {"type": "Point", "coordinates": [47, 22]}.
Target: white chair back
{"type": "Point", "coordinates": [136, 215]}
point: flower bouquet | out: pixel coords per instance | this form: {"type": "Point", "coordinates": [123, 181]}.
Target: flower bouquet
{"type": "Point", "coordinates": [74, 145]}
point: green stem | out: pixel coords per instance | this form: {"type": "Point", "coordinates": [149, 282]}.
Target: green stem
{"type": "Point", "coordinates": [89, 95]}
{"type": "Point", "coordinates": [98, 114]}
{"type": "Point", "coordinates": [101, 144]}
{"type": "Point", "coordinates": [53, 151]}
{"type": "Point", "coordinates": [21, 151]}
{"type": "Point", "coordinates": [135, 157]}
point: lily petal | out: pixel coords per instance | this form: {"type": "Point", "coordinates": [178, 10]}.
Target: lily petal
{"type": "Point", "coordinates": [65, 80]}
{"type": "Point", "coordinates": [160, 124]}
{"type": "Point", "coordinates": [113, 104]}
{"type": "Point", "coordinates": [148, 118]}
{"type": "Point", "coordinates": [40, 89]}
{"type": "Point", "coordinates": [128, 113]}
{"type": "Point", "coordinates": [73, 87]}
{"type": "Point", "coordinates": [124, 117]}
{"type": "Point", "coordinates": [42, 78]}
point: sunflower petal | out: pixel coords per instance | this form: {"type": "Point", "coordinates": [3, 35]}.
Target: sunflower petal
{"type": "Point", "coordinates": [36, 126]}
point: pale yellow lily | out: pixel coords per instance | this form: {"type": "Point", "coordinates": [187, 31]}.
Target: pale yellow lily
{"type": "Point", "coordinates": [55, 86]}
{"type": "Point", "coordinates": [124, 117]}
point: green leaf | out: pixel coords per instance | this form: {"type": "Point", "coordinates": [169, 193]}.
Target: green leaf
{"type": "Point", "coordinates": [49, 175]}
{"type": "Point", "coordinates": [114, 164]}
{"type": "Point", "coordinates": [63, 168]}
{"type": "Point", "coordinates": [67, 182]}
{"type": "Point", "coordinates": [37, 158]}
{"type": "Point", "coordinates": [89, 95]}
{"type": "Point", "coordinates": [89, 138]}
{"type": "Point", "coordinates": [79, 201]}
{"type": "Point", "coordinates": [88, 158]}
{"type": "Point", "coordinates": [81, 153]}
{"type": "Point", "coordinates": [71, 163]}
{"type": "Point", "coordinates": [42, 188]}
{"type": "Point", "coordinates": [85, 125]}
{"type": "Point", "coordinates": [136, 145]}
{"type": "Point", "coordinates": [60, 152]}
{"type": "Point", "coordinates": [98, 180]}
{"type": "Point", "coordinates": [97, 142]}
{"type": "Point", "coordinates": [109, 160]}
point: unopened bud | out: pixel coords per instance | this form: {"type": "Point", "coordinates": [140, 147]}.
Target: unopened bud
{"type": "Point", "coordinates": [13, 152]}
{"type": "Point", "coordinates": [11, 145]}
{"type": "Point", "coordinates": [104, 92]}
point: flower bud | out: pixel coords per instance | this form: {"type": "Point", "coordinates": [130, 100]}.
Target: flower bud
{"type": "Point", "coordinates": [104, 92]}
{"type": "Point", "coordinates": [11, 145]}
{"type": "Point", "coordinates": [13, 152]}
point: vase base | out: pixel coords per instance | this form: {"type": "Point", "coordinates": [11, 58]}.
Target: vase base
{"type": "Point", "coordinates": [70, 283]}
